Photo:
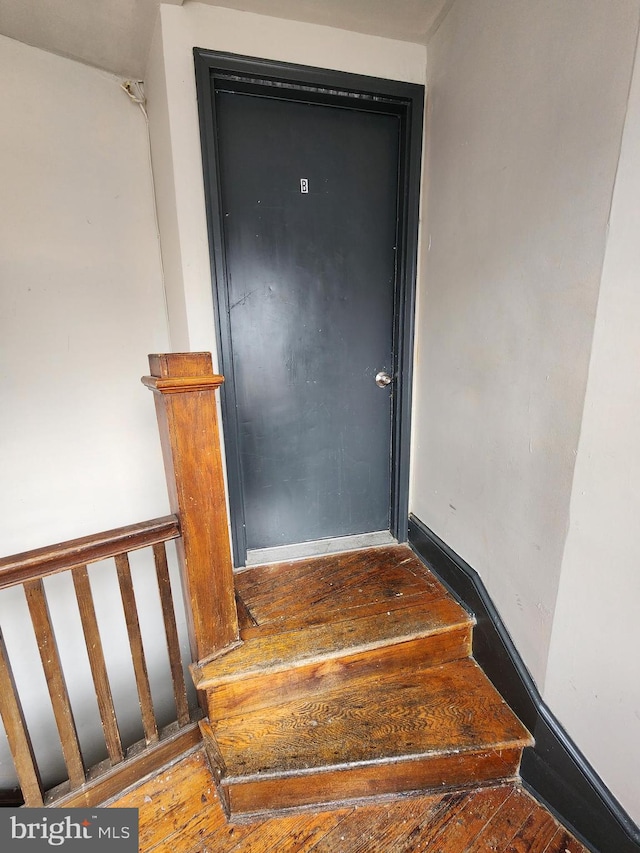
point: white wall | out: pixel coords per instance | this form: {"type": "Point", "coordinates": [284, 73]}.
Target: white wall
{"type": "Point", "coordinates": [82, 303]}
{"type": "Point", "coordinates": [526, 109]}
{"type": "Point", "coordinates": [593, 680]}
{"type": "Point", "coordinates": [175, 132]}
{"type": "Point", "coordinates": [81, 306]}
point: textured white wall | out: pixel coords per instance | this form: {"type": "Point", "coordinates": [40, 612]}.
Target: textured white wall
{"type": "Point", "coordinates": [593, 680]}
{"type": "Point", "coordinates": [81, 306]}
{"type": "Point", "coordinates": [526, 109]}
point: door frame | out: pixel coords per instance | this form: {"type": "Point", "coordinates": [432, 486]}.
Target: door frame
{"type": "Point", "coordinates": [335, 88]}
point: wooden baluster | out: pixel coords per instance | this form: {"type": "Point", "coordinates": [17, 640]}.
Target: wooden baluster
{"type": "Point", "coordinates": [137, 650]}
{"type": "Point", "coordinates": [171, 630]}
{"type": "Point", "coordinates": [47, 646]}
{"type": "Point", "coordinates": [97, 663]}
{"type": "Point", "coordinates": [184, 388]}
{"type": "Point", "coordinates": [17, 733]}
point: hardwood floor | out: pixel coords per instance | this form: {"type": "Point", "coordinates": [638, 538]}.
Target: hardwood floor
{"type": "Point", "coordinates": [180, 813]}
{"type": "Point", "coordinates": [354, 680]}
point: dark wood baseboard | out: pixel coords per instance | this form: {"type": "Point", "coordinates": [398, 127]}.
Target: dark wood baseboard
{"type": "Point", "coordinates": [139, 763]}
{"type": "Point", "coordinates": [554, 770]}
{"type": "Point", "coordinates": [11, 798]}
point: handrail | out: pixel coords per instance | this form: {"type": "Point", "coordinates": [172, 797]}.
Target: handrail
{"type": "Point", "coordinates": [29, 569]}
{"type": "Point", "coordinates": [41, 562]}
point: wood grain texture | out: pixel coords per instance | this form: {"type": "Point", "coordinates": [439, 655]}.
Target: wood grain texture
{"type": "Point", "coordinates": [535, 834]}
{"type": "Point", "coordinates": [41, 562]}
{"type": "Point", "coordinates": [56, 684]}
{"type": "Point", "coordinates": [268, 689]}
{"type": "Point", "coordinates": [466, 816]}
{"type": "Point", "coordinates": [368, 828]}
{"type": "Point", "coordinates": [82, 785]}
{"type": "Point", "coordinates": [511, 816]}
{"type": "Point", "coordinates": [105, 781]}
{"type": "Point", "coordinates": [184, 389]}
{"type": "Point", "coordinates": [17, 733]}
{"type": "Point", "coordinates": [180, 812]}
{"type": "Point", "coordinates": [307, 633]}
{"type": "Point", "coordinates": [301, 646]}
{"type": "Point", "coordinates": [312, 590]}
{"type": "Point", "coordinates": [366, 718]}
{"type": "Point", "coordinates": [137, 648]}
{"type": "Point", "coordinates": [171, 633]}
{"type": "Point", "coordinates": [97, 663]}
{"type": "Point", "coordinates": [353, 680]}
{"type": "Point", "coordinates": [260, 795]}
{"type": "Point", "coordinates": [564, 842]}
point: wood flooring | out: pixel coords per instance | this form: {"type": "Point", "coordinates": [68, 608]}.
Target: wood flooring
{"type": "Point", "coordinates": [180, 812]}
{"type": "Point", "coordinates": [352, 719]}
{"type": "Point", "coordinates": [354, 680]}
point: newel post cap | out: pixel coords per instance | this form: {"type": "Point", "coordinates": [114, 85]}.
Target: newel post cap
{"type": "Point", "coordinates": [179, 372]}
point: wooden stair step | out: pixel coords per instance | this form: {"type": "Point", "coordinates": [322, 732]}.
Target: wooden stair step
{"type": "Point", "coordinates": [298, 646]}
{"type": "Point", "coordinates": [354, 679]}
{"type": "Point", "coordinates": [368, 718]}
{"type": "Point", "coordinates": [267, 669]}
{"type": "Point", "coordinates": [368, 735]}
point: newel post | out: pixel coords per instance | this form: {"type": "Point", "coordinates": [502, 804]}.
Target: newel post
{"type": "Point", "coordinates": [184, 387]}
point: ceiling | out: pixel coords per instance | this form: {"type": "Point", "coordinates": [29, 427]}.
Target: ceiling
{"type": "Point", "coordinates": [116, 34]}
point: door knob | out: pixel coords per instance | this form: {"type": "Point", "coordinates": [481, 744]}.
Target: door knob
{"type": "Point", "coordinates": [383, 379]}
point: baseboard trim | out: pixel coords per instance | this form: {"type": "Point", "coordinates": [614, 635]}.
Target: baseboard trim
{"type": "Point", "coordinates": [554, 770]}
{"type": "Point", "coordinates": [11, 797]}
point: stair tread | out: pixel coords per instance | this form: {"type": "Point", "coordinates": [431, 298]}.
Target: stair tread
{"type": "Point", "coordinates": [350, 632]}
{"type": "Point", "coordinates": [449, 709]}
{"type": "Point", "coordinates": [310, 591]}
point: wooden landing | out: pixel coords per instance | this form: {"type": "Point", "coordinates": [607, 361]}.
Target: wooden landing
{"type": "Point", "coordinates": [354, 680]}
{"type": "Point", "coordinates": [180, 813]}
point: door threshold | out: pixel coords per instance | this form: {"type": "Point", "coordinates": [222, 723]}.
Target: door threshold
{"type": "Point", "coordinates": [319, 547]}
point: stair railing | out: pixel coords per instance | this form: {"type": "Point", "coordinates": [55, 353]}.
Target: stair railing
{"type": "Point", "coordinates": [184, 387]}
{"type": "Point", "coordinates": [29, 570]}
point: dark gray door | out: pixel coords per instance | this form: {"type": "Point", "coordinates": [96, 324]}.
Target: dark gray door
{"type": "Point", "coordinates": [308, 198]}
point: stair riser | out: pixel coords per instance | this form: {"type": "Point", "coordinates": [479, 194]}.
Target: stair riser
{"type": "Point", "coordinates": [254, 796]}
{"type": "Point", "coordinates": [216, 763]}
{"type": "Point", "coordinates": [271, 688]}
